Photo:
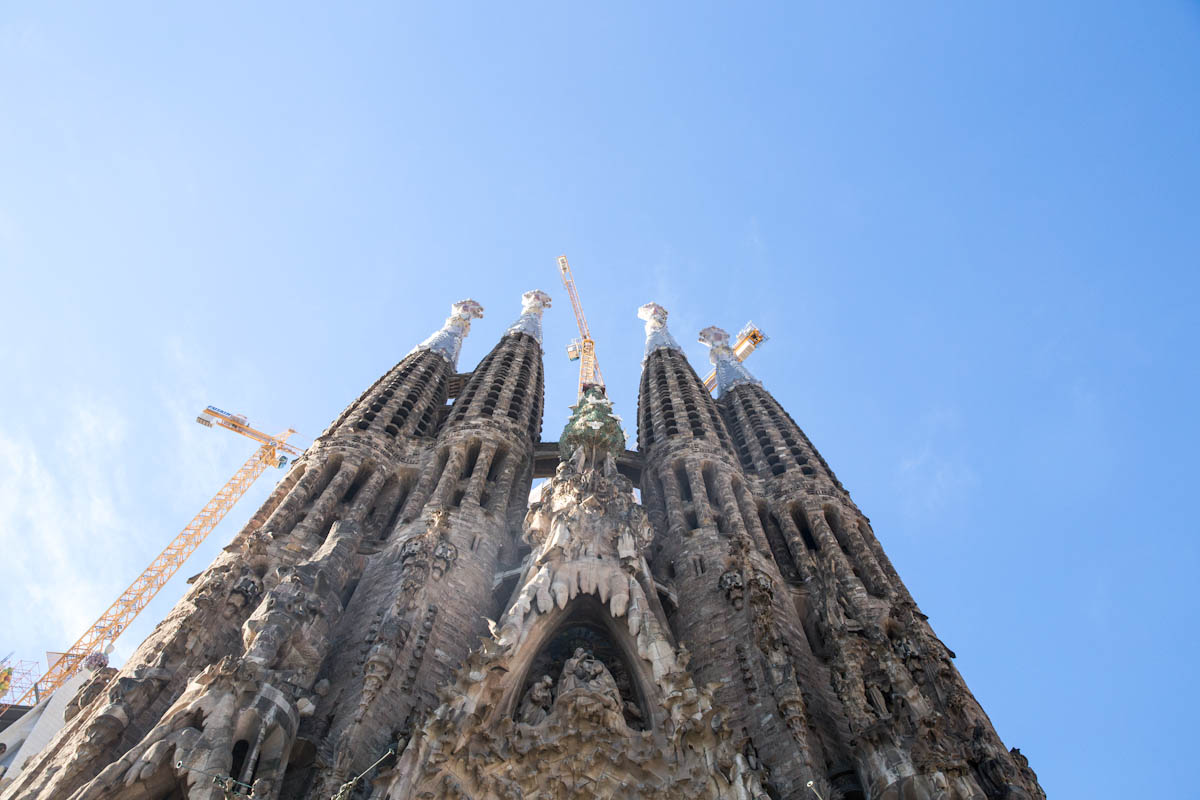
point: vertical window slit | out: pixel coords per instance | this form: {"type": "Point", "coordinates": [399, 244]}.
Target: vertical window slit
{"type": "Point", "coordinates": [780, 547]}
{"type": "Point", "coordinates": [801, 520]}
{"type": "Point", "coordinates": [472, 458]}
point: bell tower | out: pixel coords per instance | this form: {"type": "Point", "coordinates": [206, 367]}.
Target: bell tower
{"type": "Point", "coordinates": [422, 601]}
{"type": "Point", "coordinates": [402, 620]}
{"type": "Point", "coordinates": [581, 690]}
{"type": "Point", "coordinates": [899, 721]}
{"type": "Point", "coordinates": [710, 550]}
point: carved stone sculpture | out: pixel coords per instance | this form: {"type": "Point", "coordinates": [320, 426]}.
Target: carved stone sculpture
{"type": "Point", "coordinates": [538, 701]}
{"type": "Point", "coordinates": [401, 620]}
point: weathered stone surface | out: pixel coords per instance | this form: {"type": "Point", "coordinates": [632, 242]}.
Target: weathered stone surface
{"type": "Point", "coordinates": [397, 621]}
{"type": "Point", "coordinates": [507, 730]}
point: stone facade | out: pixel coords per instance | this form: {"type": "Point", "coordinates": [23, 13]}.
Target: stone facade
{"type": "Point", "coordinates": [399, 621]}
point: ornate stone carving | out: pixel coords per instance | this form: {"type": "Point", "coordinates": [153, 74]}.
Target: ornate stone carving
{"type": "Point", "coordinates": [444, 555]}
{"type": "Point", "coordinates": [258, 696]}
{"type": "Point", "coordinates": [731, 583]}
{"type": "Point", "coordinates": [747, 673]}
{"type": "Point", "coordinates": [657, 334]}
{"type": "Point", "coordinates": [730, 370]}
{"type": "Point", "coordinates": [381, 658]}
{"type": "Point", "coordinates": [573, 738]}
{"type": "Point", "coordinates": [530, 322]}
{"type": "Point", "coordinates": [537, 702]}
{"type": "Point", "coordinates": [447, 342]}
{"type": "Point", "coordinates": [89, 691]}
{"type": "Point", "coordinates": [418, 651]}
{"type": "Point", "coordinates": [261, 680]}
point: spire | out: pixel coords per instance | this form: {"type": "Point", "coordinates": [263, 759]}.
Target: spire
{"type": "Point", "coordinates": [447, 341]}
{"type": "Point", "coordinates": [530, 321]}
{"type": "Point", "coordinates": [657, 335]}
{"type": "Point", "coordinates": [730, 371]}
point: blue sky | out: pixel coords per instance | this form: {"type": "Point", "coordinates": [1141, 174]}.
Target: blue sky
{"type": "Point", "coordinates": [970, 230]}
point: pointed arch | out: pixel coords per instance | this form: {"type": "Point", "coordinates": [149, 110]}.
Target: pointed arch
{"type": "Point", "coordinates": [585, 612]}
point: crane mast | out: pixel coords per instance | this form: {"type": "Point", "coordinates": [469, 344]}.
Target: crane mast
{"type": "Point", "coordinates": [272, 452]}
{"type": "Point", "coordinates": [582, 349]}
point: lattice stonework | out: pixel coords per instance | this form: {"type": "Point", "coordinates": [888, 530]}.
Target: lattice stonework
{"type": "Point", "coordinates": [402, 620]}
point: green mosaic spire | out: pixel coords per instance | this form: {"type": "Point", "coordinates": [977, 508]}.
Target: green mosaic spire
{"type": "Point", "coordinates": [593, 426]}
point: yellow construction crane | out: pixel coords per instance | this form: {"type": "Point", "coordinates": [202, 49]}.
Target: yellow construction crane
{"type": "Point", "coordinates": [273, 451]}
{"type": "Point", "coordinates": [748, 340]}
{"type": "Point", "coordinates": [582, 349]}
{"type": "Point", "coordinates": [16, 677]}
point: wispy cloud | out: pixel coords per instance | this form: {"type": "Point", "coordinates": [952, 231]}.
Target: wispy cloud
{"type": "Point", "coordinates": [754, 237]}
{"type": "Point", "coordinates": [85, 504]}
{"type": "Point", "coordinates": [936, 474]}
{"type": "Point", "coordinates": [56, 523]}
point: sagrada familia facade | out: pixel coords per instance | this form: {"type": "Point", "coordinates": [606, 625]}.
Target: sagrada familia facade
{"type": "Point", "coordinates": [402, 620]}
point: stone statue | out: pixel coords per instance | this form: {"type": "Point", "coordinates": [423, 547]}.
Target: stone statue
{"type": "Point", "coordinates": [585, 671]}
{"type": "Point", "coordinates": [589, 692]}
{"type": "Point", "coordinates": [538, 701]}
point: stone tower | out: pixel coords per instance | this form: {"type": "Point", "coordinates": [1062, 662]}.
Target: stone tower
{"type": "Point", "coordinates": [402, 619]}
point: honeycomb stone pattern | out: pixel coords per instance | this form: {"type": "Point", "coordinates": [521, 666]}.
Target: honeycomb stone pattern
{"type": "Point", "coordinates": [400, 620]}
